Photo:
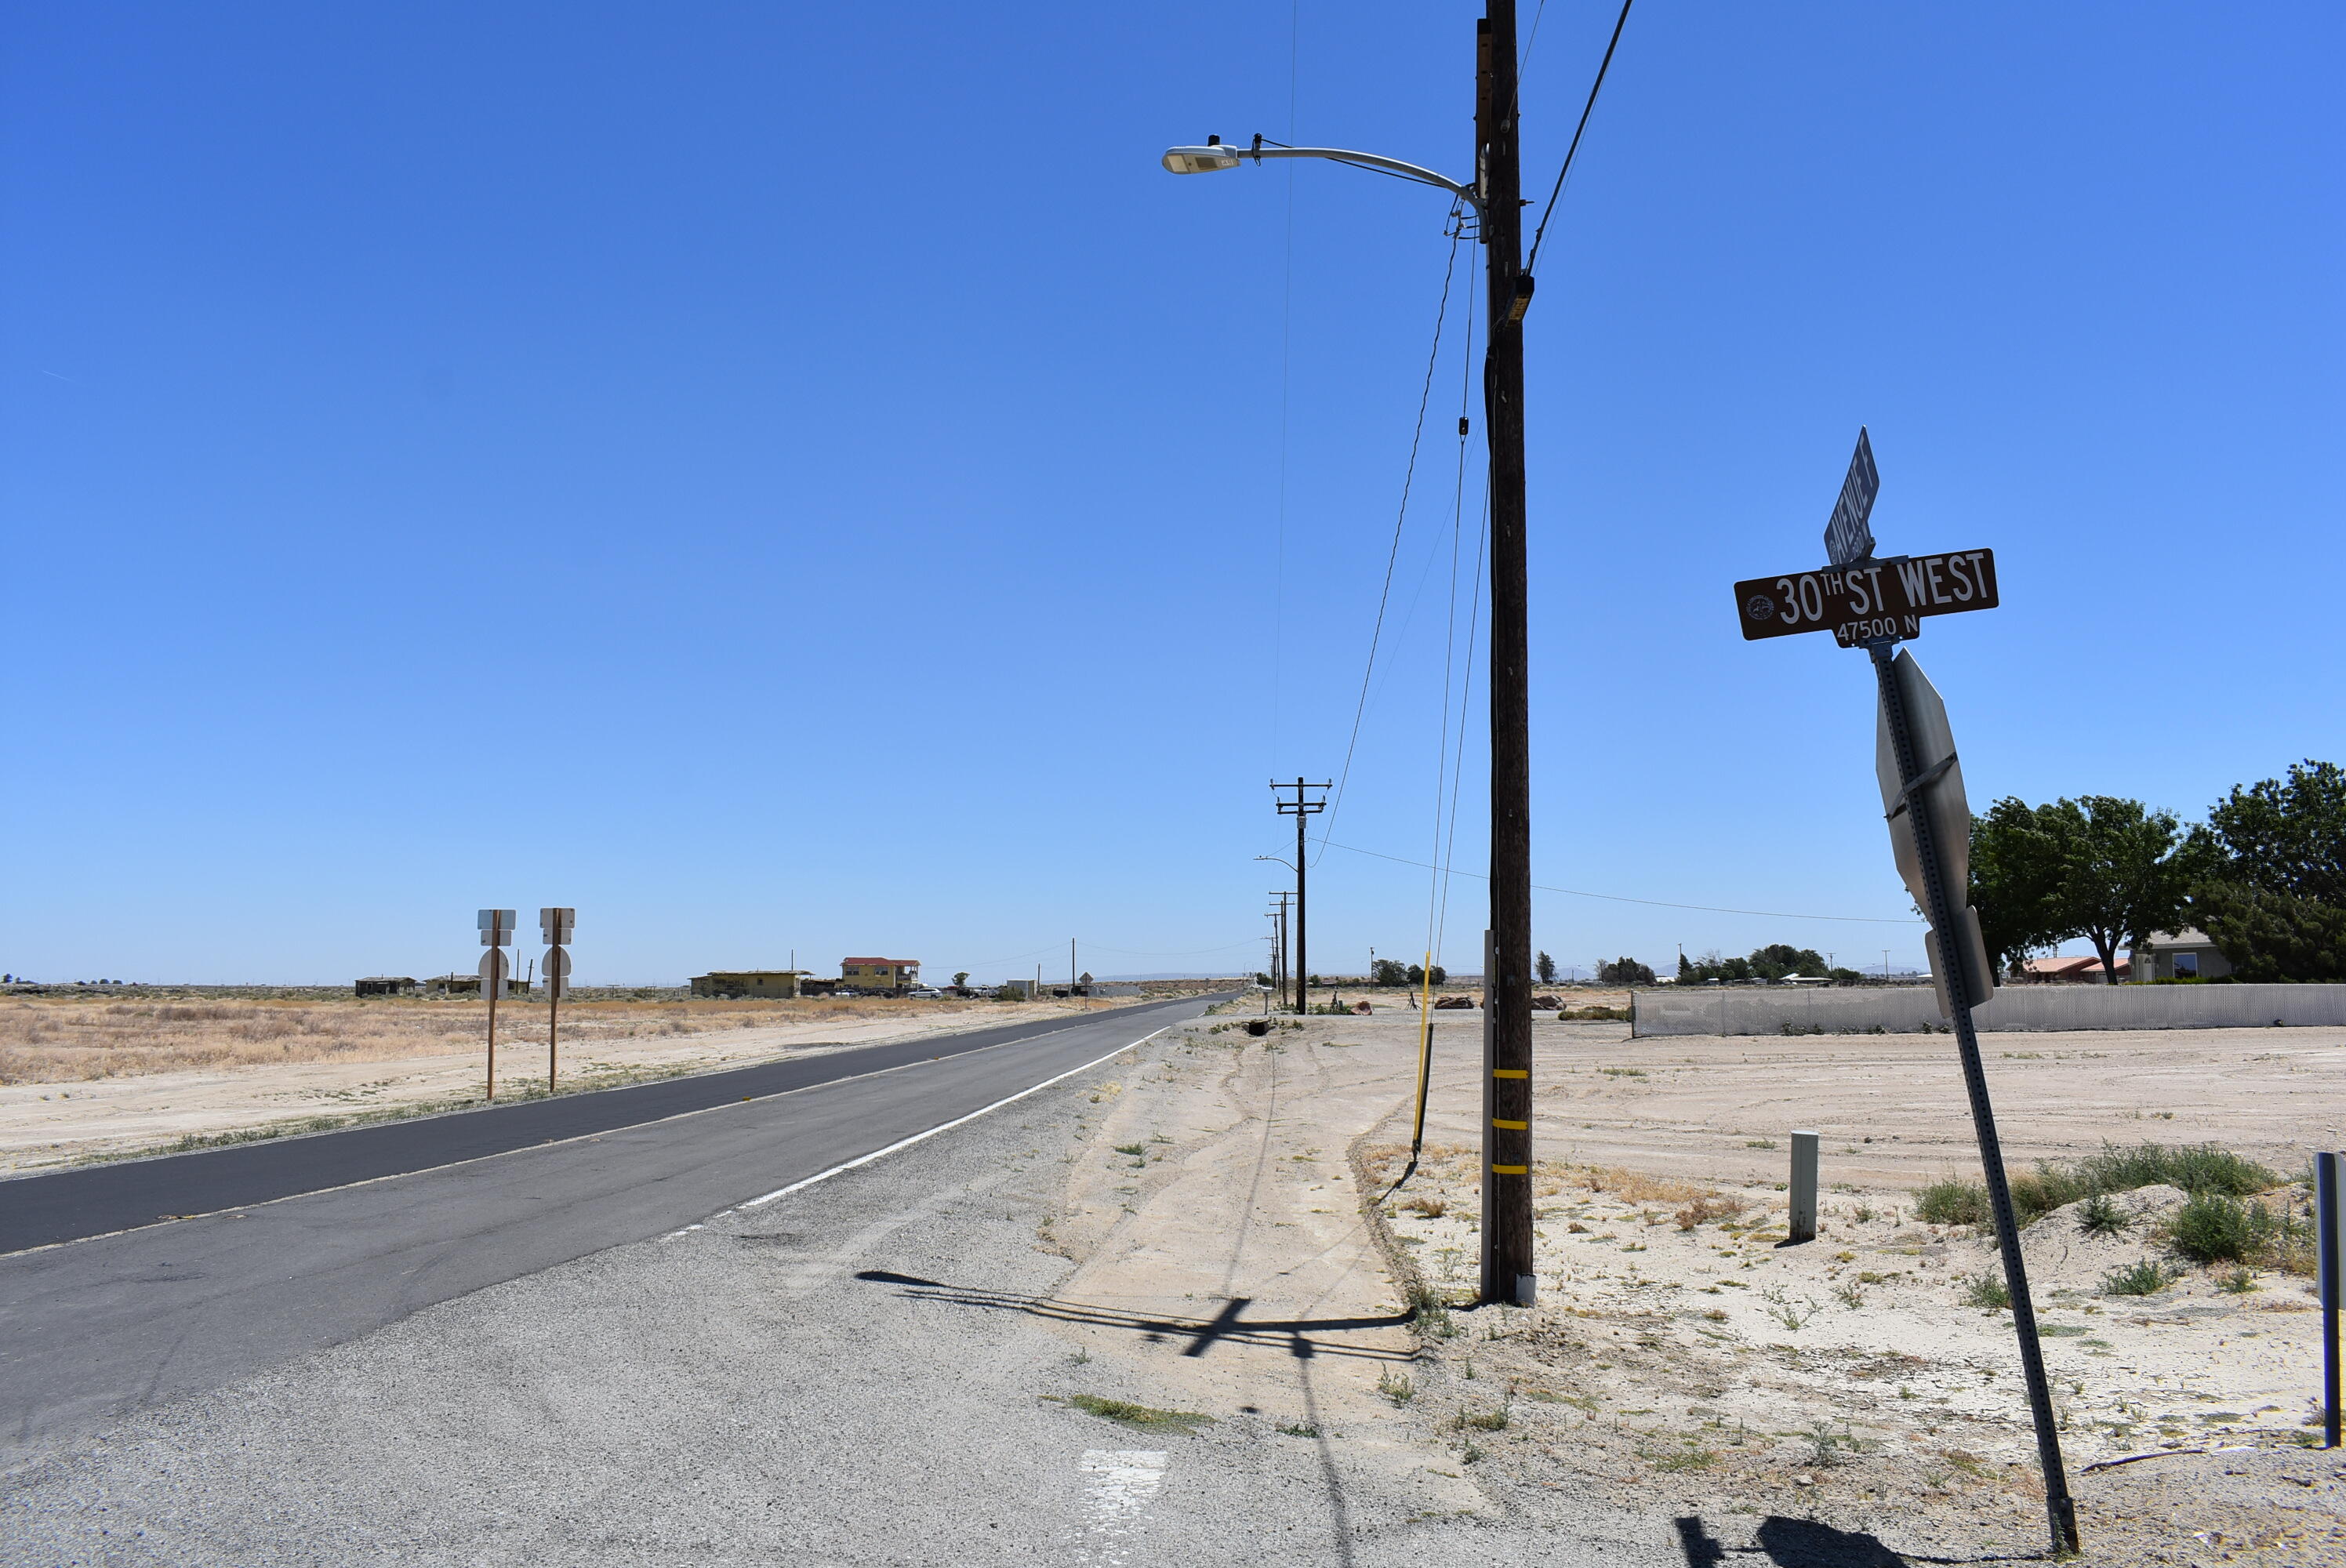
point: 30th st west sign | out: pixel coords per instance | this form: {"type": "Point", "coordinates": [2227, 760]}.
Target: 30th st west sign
{"type": "Point", "coordinates": [1867, 601]}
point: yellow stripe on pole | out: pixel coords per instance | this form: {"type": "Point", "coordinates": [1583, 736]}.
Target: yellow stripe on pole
{"type": "Point", "coordinates": [1511, 1127]}
{"type": "Point", "coordinates": [1510, 1072]}
{"type": "Point", "coordinates": [1511, 1170]}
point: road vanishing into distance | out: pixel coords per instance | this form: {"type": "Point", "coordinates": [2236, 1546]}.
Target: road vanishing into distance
{"type": "Point", "coordinates": [110, 1301]}
{"type": "Point", "coordinates": [810, 1312]}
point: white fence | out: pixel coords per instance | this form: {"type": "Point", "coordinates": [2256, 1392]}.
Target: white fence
{"type": "Point", "coordinates": [1910, 1010]}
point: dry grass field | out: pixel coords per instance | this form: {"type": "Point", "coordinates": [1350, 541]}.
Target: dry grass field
{"type": "Point", "coordinates": [70, 1040]}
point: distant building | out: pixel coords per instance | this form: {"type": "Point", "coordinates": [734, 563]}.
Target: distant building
{"type": "Point", "coordinates": [2178, 955]}
{"type": "Point", "coordinates": [747, 982]}
{"type": "Point", "coordinates": [2081, 971]}
{"type": "Point", "coordinates": [891, 976]}
{"type": "Point", "coordinates": [386, 985]}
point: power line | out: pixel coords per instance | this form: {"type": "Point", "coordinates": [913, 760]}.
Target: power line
{"type": "Point", "coordinates": [1437, 891]}
{"type": "Point", "coordinates": [1623, 899]}
{"type": "Point", "coordinates": [1465, 691]}
{"type": "Point", "coordinates": [1586, 109]}
{"type": "Point", "coordinates": [1409, 477]}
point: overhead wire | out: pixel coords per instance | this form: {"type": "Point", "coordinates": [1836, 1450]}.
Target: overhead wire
{"type": "Point", "coordinates": [1437, 906]}
{"type": "Point", "coordinates": [1451, 871]}
{"type": "Point", "coordinates": [1586, 110]}
{"type": "Point", "coordinates": [1465, 691]}
{"type": "Point", "coordinates": [1400, 516]}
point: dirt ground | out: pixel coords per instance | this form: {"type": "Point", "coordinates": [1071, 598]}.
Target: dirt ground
{"type": "Point", "coordinates": [1847, 1392]}
{"type": "Point", "coordinates": [114, 1077]}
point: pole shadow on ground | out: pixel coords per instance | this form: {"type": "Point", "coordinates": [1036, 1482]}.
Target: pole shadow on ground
{"type": "Point", "coordinates": [1228, 1325]}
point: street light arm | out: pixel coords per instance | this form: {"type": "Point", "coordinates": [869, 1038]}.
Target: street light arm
{"type": "Point", "coordinates": [1219, 156]}
{"type": "Point", "coordinates": [1465, 193]}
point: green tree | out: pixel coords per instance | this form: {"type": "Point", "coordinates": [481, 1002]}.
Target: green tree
{"type": "Point", "coordinates": [1625, 971]}
{"type": "Point", "coordinates": [1388, 972]}
{"type": "Point", "coordinates": [1417, 975]}
{"type": "Point", "coordinates": [2016, 879]}
{"type": "Point", "coordinates": [1439, 975]}
{"type": "Point", "coordinates": [2125, 872]}
{"type": "Point", "coordinates": [961, 980]}
{"type": "Point", "coordinates": [2272, 892]}
{"type": "Point", "coordinates": [1545, 967]}
{"type": "Point", "coordinates": [1778, 960]}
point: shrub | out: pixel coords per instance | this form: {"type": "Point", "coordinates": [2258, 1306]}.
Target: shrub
{"type": "Point", "coordinates": [2196, 1168]}
{"type": "Point", "coordinates": [2147, 1277]}
{"type": "Point", "coordinates": [1987, 1290]}
{"type": "Point", "coordinates": [1711, 1205]}
{"type": "Point", "coordinates": [2100, 1216]}
{"type": "Point", "coordinates": [1951, 1200]}
{"type": "Point", "coordinates": [1495, 1420]}
{"type": "Point", "coordinates": [2213, 1227]}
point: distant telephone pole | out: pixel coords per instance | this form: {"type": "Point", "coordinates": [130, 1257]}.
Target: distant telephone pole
{"type": "Point", "coordinates": [1302, 809]}
{"type": "Point", "coordinates": [1279, 947]}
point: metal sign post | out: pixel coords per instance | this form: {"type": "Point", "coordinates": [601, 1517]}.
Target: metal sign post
{"type": "Point", "coordinates": [497, 928]}
{"type": "Point", "coordinates": [555, 925]}
{"type": "Point", "coordinates": [1874, 605]}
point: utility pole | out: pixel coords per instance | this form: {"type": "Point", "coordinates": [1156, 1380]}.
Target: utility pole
{"type": "Point", "coordinates": [1303, 808]}
{"type": "Point", "coordinates": [1279, 952]}
{"type": "Point", "coordinates": [1509, 1273]}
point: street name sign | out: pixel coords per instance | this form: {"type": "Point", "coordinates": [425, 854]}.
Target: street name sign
{"type": "Point", "coordinates": [1869, 601]}
{"type": "Point", "coordinates": [1847, 536]}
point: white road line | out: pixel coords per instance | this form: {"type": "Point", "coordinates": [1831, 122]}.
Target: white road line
{"type": "Point", "coordinates": [1118, 1486]}
{"type": "Point", "coordinates": [947, 1126]}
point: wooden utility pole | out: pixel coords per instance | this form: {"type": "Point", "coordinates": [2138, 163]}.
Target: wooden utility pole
{"type": "Point", "coordinates": [1509, 1274]}
{"type": "Point", "coordinates": [1278, 945]}
{"type": "Point", "coordinates": [1302, 809]}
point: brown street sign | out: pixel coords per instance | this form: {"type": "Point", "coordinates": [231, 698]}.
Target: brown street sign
{"type": "Point", "coordinates": [1867, 601]}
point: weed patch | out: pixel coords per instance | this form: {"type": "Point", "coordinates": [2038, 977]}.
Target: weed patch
{"type": "Point", "coordinates": [1144, 1418]}
{"type": "Point", "coordinates": [2146, 1277]}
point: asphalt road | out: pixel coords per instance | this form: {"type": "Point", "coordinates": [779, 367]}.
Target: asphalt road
{"type": "Point", "coordinates": [848, 1374]}
{"type": "Point", "coordinates": [97, 1200]}
{"type": "Point", "coordinates": [95, 1330]}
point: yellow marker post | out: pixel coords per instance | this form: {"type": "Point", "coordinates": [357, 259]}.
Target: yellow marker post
{"type": "Point", "coordinates": [1425, 1054]}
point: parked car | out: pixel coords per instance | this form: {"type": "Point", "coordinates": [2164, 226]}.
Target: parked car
{"type": "Point", "coordinates": [847, 991]}
{"type": "Point", "coordinates": [925, 992]}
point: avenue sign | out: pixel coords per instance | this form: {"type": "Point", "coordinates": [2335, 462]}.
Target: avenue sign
{"type": "Point", "coordinates": [1867, 601]}
{"type": "Point", "coordinates": [1846, 537]}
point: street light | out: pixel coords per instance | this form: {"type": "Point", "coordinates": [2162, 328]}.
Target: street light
{"type": "Point", "coordinates": [1217, 155]}
{"type": "Point", "coordinates": [1508, 1271]}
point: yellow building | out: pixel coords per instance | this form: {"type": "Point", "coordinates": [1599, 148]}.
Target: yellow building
{"type": "Point", "coordinates": [747, 982]}
{"type": "Point", "coordinates": [891, 975]}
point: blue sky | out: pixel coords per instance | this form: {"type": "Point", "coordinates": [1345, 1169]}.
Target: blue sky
{"type": "Point", "coordinates": [786, 477]}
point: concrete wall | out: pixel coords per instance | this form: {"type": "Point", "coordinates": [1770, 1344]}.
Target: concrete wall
{"type": "Point", "coordinates": [1910, 1010]}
